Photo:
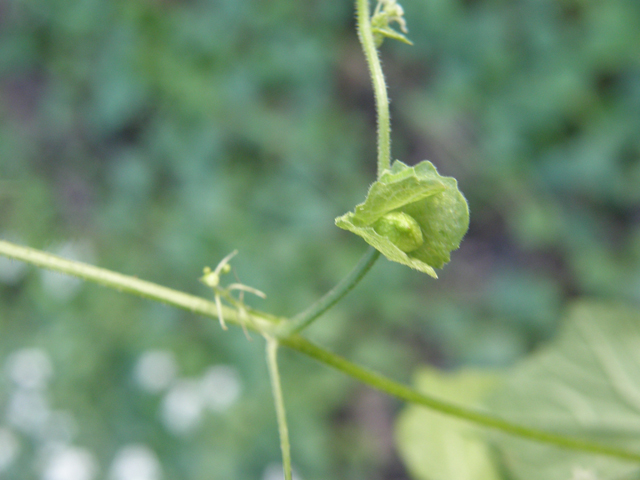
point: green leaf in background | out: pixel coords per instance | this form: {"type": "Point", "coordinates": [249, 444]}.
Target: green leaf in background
{"type": "Point", "coordinates": [412, 215]}
{"type": "Point", "coordinates": [436, 447]}
{"type": "Point", "coordinates": [587, 384]}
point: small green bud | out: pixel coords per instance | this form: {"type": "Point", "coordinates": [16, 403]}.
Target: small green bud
{"type": "Point", "coordinates": [210, 278]}
{"type": "Point", "coordinates": [401, 229]}
{"type": "Point", "coordinates": [386, 12]}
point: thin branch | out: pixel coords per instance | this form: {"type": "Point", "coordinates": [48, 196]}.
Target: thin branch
{"type": "Point", "coordinates": [117, 281]}
{"type": "Point", "coordinates": [395, 389]}
{"type": "Point", "coordinates": [333, 296]}
{"type": "Point", "coordinates": [276, 388]}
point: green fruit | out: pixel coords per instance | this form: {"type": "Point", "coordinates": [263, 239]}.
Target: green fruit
{"type": "Point", "coordinates": [401, 229]}
{"type": "Point", "coordinates": [412, 215]}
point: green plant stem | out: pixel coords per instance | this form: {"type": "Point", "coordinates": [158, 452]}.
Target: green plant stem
{"type": "Point", "coordinates": [395, 389]}
{"type": "Point", "coordinates": [117, 281]}
{"type": "Point", "coordinates": [304, 318]}
{"type": "Point", "coordinates": [365, 34]}
{"type": "Point", "coordinates": [265, 324]}
{"type": "Point", "coordinates": [276, 388]}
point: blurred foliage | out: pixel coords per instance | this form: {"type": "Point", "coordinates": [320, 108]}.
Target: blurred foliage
{"type": "Point", "coordinates": [431, 444]}
{"type": "Point", "coordinates": [153, 137]}
{"type": "Point", "coordinates": [584, 383]}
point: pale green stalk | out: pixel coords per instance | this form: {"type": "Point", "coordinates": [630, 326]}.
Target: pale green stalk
{"type": "Point", "coordinates": [266, 324]}
{"type": "Point", "coordinates": [333, 296]}
{"type": "Point", "coordinates": [395, 389]}
{"type": "Point", "coordinates": [365, 34]}
{"type": "Point", "coordinates": [117, 281]}
{"type": "Point", "coordinates": [276, 388]}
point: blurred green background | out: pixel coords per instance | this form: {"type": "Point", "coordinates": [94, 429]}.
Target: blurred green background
{"type": "Point", "coordinates": [153, 137]}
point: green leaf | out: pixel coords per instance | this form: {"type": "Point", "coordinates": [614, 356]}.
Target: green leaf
{"type": "Point", "coordinates": [586, 383]}
{"type": "Point", "coordinates": [437, 447]}
{"type": "Point", "coordinates": [412, 215]}
{"type": "Point", "coordinates": [380, 33]}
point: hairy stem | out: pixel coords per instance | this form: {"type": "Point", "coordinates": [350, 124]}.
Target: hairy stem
{"type": "Point", "coordinates": [365, 34]}
{"type": "Point", "coordinates": [333, 296]}
{"type": "Point", "coordinates": [117, 281]}
{"type": "Point", "coordinates": [276, 388]}
{"type": "Point", "coordinates": [266, 324]}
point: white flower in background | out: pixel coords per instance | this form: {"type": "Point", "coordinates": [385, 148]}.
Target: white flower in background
{"type": "Point", "coordinates": [28, 411]}
{"type": "Point", "coordinates": [274, 471]}
{"type": "Point", "coordinates": [135, 462]}
{"type": "Point", "coordinates": [11, 271]}
{"type": "Point", "coordinates": [60, 428]}
{"type": "Point", "coordinates": [182, 407]}
{"type": "Point", "coordinates": [221, 387]}
{"type": "Point", "coordinates": [70, 463]}
{"type": "Point", "coordinates": [29, 368]}
{"type": "Point", "coordinates": [155, 370]}
{"type": "Point", "coordinates": [9, 448]}
{"type": "Point", "coordinates": [64, 287]}
{"type": "Point", "coordinates": [580, 473]}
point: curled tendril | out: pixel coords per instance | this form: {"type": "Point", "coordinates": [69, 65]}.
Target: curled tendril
{"type": "Point", "coordinates": [211, 278]}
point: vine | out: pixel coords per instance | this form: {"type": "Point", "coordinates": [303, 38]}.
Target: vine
{"type": "Point", "coordinates": [411, 215]}
{"type": "Point", "coordinates": [262, 322]}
